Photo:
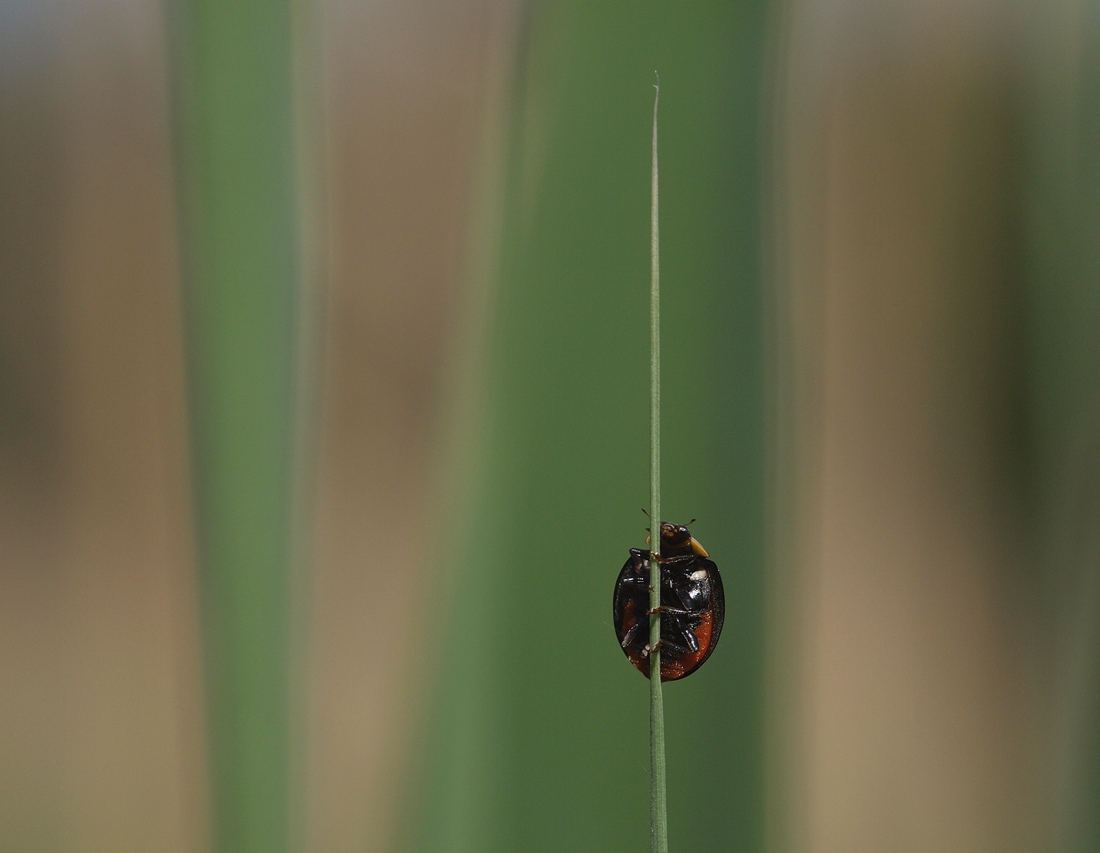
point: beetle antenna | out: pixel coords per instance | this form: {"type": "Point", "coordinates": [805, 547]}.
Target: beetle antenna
{"type": "Point", "coordinates": [646, 513]}
{"type": "Point", "coordinates": [691, 522]}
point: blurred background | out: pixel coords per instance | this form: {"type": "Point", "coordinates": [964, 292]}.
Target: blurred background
{"type": "Point", "coordinates": [323, 422]}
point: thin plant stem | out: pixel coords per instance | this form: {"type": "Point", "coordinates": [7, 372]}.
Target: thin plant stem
{"type": "Point", "coordinates": [658, 809]}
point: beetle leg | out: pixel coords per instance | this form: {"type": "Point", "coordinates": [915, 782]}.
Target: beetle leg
{"type": "Point", "coordinates": [675, 611]}
{"type": "Point", "coordinates": [671, 561]}
{"type": "Point", "coordinates": [629, 636]}
{"type": "Point", "coordinates": [691, 641]}
{"type": "Point", "coordinates": [664, 643]}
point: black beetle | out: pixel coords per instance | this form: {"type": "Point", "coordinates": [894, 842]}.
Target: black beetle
{"type": "Point", "coordinates": [693, 605]}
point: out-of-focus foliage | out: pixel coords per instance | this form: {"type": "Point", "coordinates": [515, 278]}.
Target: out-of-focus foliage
{"type": "Point", "coordinates": [937, 578]}
{"type": "Point", "coordinates": [539, 740]}
{"type": "Point", "coordinates": [930, 256]}
{"type": "Point", "coordinates": [240, 224]}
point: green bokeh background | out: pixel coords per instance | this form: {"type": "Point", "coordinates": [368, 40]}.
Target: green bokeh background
{"type": "Point", "coordinates": [541, 728]}
{"type": "Point", "coordinates": [537, 728]}
{"type": "Point", "coordinates": [532, 729]}
{"type": "Point", "coordinates": [289, 563]}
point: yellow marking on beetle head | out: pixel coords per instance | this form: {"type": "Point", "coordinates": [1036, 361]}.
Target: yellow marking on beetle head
{"type": "Point", "coordinates": [698, 549]}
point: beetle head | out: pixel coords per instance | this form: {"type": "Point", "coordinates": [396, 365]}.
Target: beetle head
{"type": "Point", "coordinates": [677, 541]}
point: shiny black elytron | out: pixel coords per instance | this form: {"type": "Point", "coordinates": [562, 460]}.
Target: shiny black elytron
{"type": "Point", "coordinates": [693, 605]}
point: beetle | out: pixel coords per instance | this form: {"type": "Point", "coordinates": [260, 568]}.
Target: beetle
{"type": "Point", "coordinates": [693, 605]}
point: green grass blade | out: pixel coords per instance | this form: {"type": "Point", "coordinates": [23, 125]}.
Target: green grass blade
{"type": "Point", "coordinates": [658, 803]}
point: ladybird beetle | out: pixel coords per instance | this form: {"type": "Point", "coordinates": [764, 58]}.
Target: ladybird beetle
{"type": "Point", "coordinates": [693, 605]}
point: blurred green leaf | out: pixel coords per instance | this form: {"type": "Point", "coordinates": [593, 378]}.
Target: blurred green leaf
{"type": "Point", "coordinates": [240, 229]}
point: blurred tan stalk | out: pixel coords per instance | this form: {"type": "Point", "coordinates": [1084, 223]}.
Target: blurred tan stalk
{"type": "Point", "coordinates": [916, 700]}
